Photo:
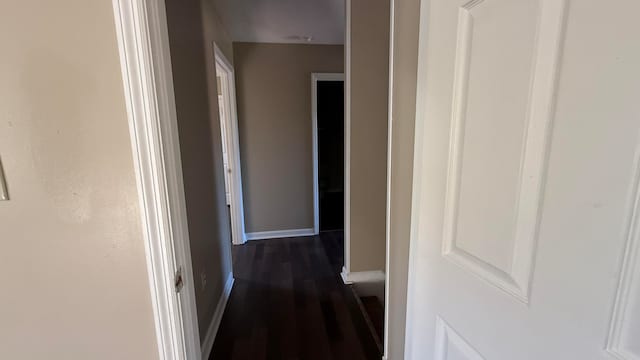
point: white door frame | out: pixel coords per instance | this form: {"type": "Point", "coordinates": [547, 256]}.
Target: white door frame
{"type": "Point", "coordinates": [143, 42]}
{"type": "Point", "coordinates": [315, 78]}
{"type": "Point", "coordinates": [346, 268]}
{"type": "Point", "coordinates": [233, 145]}
{"type": "Point", "coordinates": [387, 257]}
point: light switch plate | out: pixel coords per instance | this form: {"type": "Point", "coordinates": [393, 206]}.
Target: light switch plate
{"type": "Point", "coordinates": [4, 193]}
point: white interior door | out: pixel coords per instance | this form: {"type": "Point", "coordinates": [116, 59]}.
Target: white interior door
{"type": "Point", "coordinates": [525, 220]}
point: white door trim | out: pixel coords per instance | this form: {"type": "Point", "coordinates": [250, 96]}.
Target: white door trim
{"type": "Point", "coordinates": [233, 147]}
{"type": "Point", "coordinates": [143, 42]}
{"type": "Point", "coordinates": [349, 278]}
{"type": "Point", "coordinates": [347, 138]}
{"type": "Point", "coordinates": [387, 259]}
{"type": "Point", "coordinates": [416, 187]}
{"type": "Point", "coordinates": [315, 77]}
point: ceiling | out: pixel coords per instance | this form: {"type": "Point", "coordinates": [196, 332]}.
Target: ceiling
{"type": "Point", "coordinates": [283, 21]}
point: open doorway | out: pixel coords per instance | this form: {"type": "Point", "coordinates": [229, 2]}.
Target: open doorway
{"type": "Point", "coordinates": [230, 145]}
{"type": "Point", "coordinates": [287, 281]}
{"type": "Point", "coordinates": [327, 92]}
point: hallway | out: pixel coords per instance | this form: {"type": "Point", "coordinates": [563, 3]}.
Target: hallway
{"type": "Point", "coordinates": [288, 302]}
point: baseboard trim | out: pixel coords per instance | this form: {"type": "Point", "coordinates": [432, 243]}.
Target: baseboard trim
{"type": "Point", "coordinates": [361, 276]}
{"type": "Point", "coordinates": [207, 344]}
{"type": "Point", "coordinates": [262, 235]}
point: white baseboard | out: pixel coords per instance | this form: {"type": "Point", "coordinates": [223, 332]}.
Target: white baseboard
{"type": "Point", "coordinates": [362, 276]}
{"type": "Point", "coordinates": [261, 235]}
{"type": "Point", "coordinates": [207, 344]}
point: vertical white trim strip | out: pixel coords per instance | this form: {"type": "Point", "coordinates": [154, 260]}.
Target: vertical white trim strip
{"type": "Point", "coordinates": [416, 186]}
{"type": "Point", "coordinates": [239, 235]}
{"type": "Point", "coordinates": [387, 265]}
{"type": "Point", "coordinates": [347, 138]}
{"type": "Point", "coordinates": [314, 152]}
{"type": "Point", "coordinates": [141, 28]}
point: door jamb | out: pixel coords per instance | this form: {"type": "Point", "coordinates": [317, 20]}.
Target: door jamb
{"type": "Point", "coordinates": [143, 43]}
{"type": "Point", "coordinates": [239, 235]}
{"type": "Point", "coordinates": [346, 268]}
{"type": "Point", "coordinates": [416, 193]}
{"type": "Point", "coordinates": [390, 168]}
{"type": "Point", "coordinates": [315, 78]}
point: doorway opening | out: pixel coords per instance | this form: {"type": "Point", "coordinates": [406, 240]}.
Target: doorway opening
{"type": "Point", "coordinates": [327, 94]}
{"type": "Point", "coordinates": [287, 271]}
{"type": "Point", "coordinates": [230, 145]}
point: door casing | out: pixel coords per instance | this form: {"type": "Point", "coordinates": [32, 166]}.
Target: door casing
{"type": "Point", "coordinates": [232, 140]}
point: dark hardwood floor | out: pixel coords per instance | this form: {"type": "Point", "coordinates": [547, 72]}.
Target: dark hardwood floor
{"type": "Point", "coordinates": [375, 312]}
{"type": "Point", "coordinates": [288, 302]}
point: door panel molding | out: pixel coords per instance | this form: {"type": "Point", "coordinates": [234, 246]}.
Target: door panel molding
{"type": "Point", "coordinates": [447, 337]}
{"type": "Point", "coordinates": [514, 280]}
{"type": "Point", "coordinates": [628, 289]}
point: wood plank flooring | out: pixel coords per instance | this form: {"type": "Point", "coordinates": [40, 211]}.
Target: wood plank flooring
{"type": "Point", "coordinates": [288, 302]}
{"type": "Point", "coordinates": [375, 312]}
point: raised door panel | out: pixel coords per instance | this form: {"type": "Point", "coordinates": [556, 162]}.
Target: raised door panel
{"type": "Point", "coordinates": [452, 346]}
{"type": "Point", "coordinates": [506, 59]}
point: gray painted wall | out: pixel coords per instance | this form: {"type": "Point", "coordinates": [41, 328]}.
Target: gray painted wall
{"type": "Point", "coordinates": [193, 27]}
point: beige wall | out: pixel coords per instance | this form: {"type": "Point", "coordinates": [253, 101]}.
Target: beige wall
{"type": "Point", "coordinates": [71, 247]}
{"type": "Point", "coordinates": [193, 27]}
{"type": "Point", "coordinates": [405, 64]}
{"type": "Point", "coordinates": [215, 31]}
{"type": "Point", "coordinates": [273, 86]}
{"type": "Point", "coordinates": [369, 80]}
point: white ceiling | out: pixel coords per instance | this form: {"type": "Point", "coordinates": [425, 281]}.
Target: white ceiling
{"type": "Point", "coordinates": [283, 21]}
